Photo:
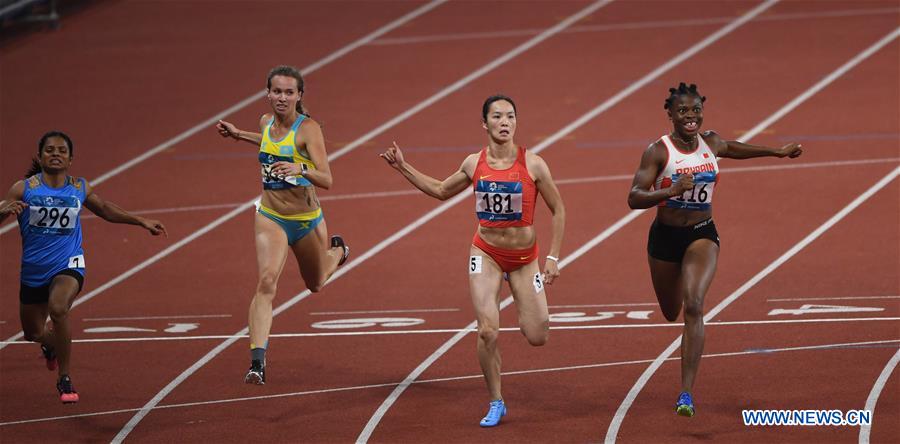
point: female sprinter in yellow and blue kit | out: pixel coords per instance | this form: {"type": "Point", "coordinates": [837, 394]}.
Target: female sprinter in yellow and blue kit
{"type": "Point", "coordinates": [288, 217]}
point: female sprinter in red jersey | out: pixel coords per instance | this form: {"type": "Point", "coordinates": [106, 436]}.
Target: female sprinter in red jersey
{"type": "Point", "coordinates": [288, 218]}
{"type": "Point", "coordinates": [678, 174]}
{"type": "Point", "coordinates": [506, 179]}
{"type": "Point", "coordinates": [48, 206]}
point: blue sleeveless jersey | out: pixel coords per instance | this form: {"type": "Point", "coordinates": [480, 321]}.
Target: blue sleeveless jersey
{"type": "Point", "coordinates": [51, 229]}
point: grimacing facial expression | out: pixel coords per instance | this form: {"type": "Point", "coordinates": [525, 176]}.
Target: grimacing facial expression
{"type": "Point", "coordinates": [284, 94]}
{"type": "Point", "coordinates": [686, 113]}
{"type": "Point", "coordinates": [501, 121]}
{"type": "Point", "coordinates": [55, 155]}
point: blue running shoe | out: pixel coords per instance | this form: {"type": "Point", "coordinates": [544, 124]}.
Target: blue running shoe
{"type": "Point", "coordinates": [495, 412]}
{"type": "Point", "coordinates": [685, 405]}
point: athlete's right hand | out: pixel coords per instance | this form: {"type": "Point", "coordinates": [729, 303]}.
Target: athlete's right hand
{"type": "Point", "coordinates": [13, 207]}
{"type": "Point", "coordinates": [227, 130]}
{"type": "Point", "coordinates": [393, 156]}
{"type": "Point", "coordinates": [684, 183]}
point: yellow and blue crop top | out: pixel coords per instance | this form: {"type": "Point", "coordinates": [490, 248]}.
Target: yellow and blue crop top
{"type": "Point", "coordinates": [284, 150]}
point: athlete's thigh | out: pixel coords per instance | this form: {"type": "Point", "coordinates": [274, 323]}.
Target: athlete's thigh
{"type": "Point", "coordinates": [667, 285]}
{"type": "Point", "coordinates": [485, 278]}
{"type": "Point", "coordinates": [271, 246]}
{"type": "Point", "coordinates": [698, 268]}
{"type": "Point", "coordinates": [527, 286]}
{"type": "Point", "coordinates": [63, 289]}
{"type": "Point", "coordinates": [310, 252]}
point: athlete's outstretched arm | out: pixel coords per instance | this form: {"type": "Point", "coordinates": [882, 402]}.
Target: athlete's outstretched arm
{"type": "Point", "coordinates": [111, 212]}
{"type": "Point", "coordinates": [544, 183]}
{"type": "Point", "coordinates": [227, 129]}
{"type": "Point", "coordinates": [12, 203]}
{"type": "Point", "coordinates": [732, 149]}
{"type": "Point", "coordinates": [438, 189]}
{"type": "Point", "coordinates": [652, 162]}
{"type": "Point", "coordinates": [310, 135]}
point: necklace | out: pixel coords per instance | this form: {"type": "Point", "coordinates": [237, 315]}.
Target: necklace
{"type": "Point", "coordinates": [687, 143]}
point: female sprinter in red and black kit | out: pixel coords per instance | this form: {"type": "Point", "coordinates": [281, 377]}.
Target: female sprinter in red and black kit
{"type": "Point", "coordinates": [678, 174]}
{"type": "Point", "coordinates": [506, 179]}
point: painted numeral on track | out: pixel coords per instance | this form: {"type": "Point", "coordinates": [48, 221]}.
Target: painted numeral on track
{"type": "Point", "coordinates": [820, 309]}
{"type": "Point", "coordinates": [368, 322]}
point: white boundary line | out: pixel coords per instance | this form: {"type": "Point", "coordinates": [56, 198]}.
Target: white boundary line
{"type": "Point", "coordinates": [561, 326]}
{"type": "Point", "coordinates": [336, 155]}
{"type": "Point", "coordinates": [654, 24]}
{"type": "Point", "coordinates": [141, 318]}
{"type": "Point", "coordinates": [384, 243]}
{"type": "Point", "coordinates": [446, 379]}
{"type": "Point", "coordinates": [833, 299]}
{"type": "Point", "coordinates": [866, 429]}
{"type": "Point", "coordinates": [616, 422]}
{"type": "Point", "coordinates": [367, 431]}
{"type": "Point", "coordinates": [411, 310]}
{"type": "Point", "coordinates": [208, 123]}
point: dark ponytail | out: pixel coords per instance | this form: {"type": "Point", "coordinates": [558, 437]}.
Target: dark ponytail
{"type": "Point", "coordinates": [35, 162]}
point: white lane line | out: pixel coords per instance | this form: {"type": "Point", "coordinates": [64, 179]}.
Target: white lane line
{"type": "Point", "coordinates": [613, 430]}
{"type": "Point", "coordinates": [446, 379]}
{"type": "Point", "coordinates": [472, 330]}
{"type": "Point", "coordinates": [208, 123]}
{"type": "Point", "coordinates": [616, 423]}
{"type": "Point", "coordinates": [366, 433]}
{"type": "Point", "coordinates": [141, 318]}
{"type": "Point", "coordinates": [386, 242]}
{"type": "Point", "coordinates": [654, 24]}
{"type": "Point", "coordinates": [866, 429]}
{"type": "Point", "coordinates": [630, 304]}
{"type": "Point", "coordinates": [569, 181]}
{"type": "Point", "coordinates": [414, 310]}
{"type": "Point", "coordinates": [340, 153]}
{"type": "Point", "coordinates": [844, 298]}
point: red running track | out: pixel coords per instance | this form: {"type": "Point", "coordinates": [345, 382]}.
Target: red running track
{"type": "Point", "coordinates": [325, 388]}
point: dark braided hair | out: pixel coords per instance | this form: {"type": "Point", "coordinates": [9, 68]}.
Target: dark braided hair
{"type": "Point", "coordinates": [682, 90]}
{"type": "Point", "coordinates": [289, 71]}
{"type": "Point", "coordinates": [35, 163]}
{"type": "Point", "coordinates": [492, 99]}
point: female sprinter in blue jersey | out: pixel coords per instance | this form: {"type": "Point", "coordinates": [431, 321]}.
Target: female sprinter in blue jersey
{"type": "Point", "coordinates": [678, 174]}
{"type": "Point", "coordinates": [288, 218]}
{"type": "Point", "coordinates": [48, 206]}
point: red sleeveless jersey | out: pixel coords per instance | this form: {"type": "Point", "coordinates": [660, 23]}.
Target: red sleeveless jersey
{"type": "Point", "coordinates": [504, 198]}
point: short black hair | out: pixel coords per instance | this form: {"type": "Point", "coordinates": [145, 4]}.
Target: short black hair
{"type": "Point", "coordinates": [492, 99]}
{"type": "Point", "coordinates": [682, 90]}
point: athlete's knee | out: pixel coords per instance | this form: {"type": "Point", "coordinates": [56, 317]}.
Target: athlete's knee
{"type": "Point", "coordinates": [59, 311]}
{"type": "Point", "coordinates": [538, 336]}
{"type": "Point", "coordinates": [315, 285]}
{"type": "Point", "coordinates": [488, 334]}
{"type": "Point", "coordinates": [267, 284]}
{"type": "Point", "coordinates": [693, 310]}
{"type": "Point", "coordinates": [670, 315]}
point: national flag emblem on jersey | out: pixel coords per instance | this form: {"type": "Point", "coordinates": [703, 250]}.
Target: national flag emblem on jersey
{"type": "Point", "coordinates": [706, 155]}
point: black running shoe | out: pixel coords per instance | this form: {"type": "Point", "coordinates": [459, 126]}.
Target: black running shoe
{"type": "Point", "coordinates": [49, 356]}
{"type": "Point", "coordinates": [67, 393]}
{"type": "Point", "coordinates": [337, 241]}
{"type": "Point", "coordinates": [256, 374]}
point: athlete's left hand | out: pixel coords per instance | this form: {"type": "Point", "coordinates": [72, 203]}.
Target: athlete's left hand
{"type": "Point", "coordinates": [551, 271]}
{"type": "Point", "coordinates": [791, 150]}
{"type": "Point", "coordinates": [155, 227]}
{"type": "Point", "coordinates": [284, 169]}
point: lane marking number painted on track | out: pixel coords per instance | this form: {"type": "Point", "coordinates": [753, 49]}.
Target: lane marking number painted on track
{"type": "Point", "coordinates": [577, 316]}
{"type": "Point", "coordinates": [819, 309]}
{"type": "Point", "coordinates": [173, 328]}
{"type": "Point", "coordinates": [368, 322]}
